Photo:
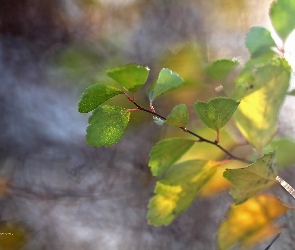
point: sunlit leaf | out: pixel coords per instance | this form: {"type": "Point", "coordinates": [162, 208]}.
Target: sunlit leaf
{"type": "Point", "coordinates": [259, 40]}
{"type": "Point", "coordinates": [167, 152]}
{"type": "Point", "coordinates": [284, 148]}
{"type": "Point", "coordinates": [130, 76]}
{"type": "Point", "coordinates": [217, 112]}
{"type": "Point", "coordinates": [251, 222]}
{"type": "Point", "coordinates": [179, 116]}
{"type": "Point", "coordinates": [219, 69]}
{"type": "Point", "coordinates": [13, 235]}
{"type": "Point", "coordinates": [176, 192]}
{"type": "Point", "coordinates": [253, 178]}
{"type": "Point", "coordinates": [95, 95]}
{"type": "Point", "coordinates": [166, 82]}
{"type": "Point", "coordinates": [261, 98]}
{"type": "Point", "coordinates": [107, 125]}
{"type": "Point", "coordinates": [282, 14]}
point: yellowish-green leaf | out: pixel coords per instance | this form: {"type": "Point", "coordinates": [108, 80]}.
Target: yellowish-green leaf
{"type": "Point", "coordinates": [167, 152]}
{"type": "Point", "coordinates": [251, 222]}
{"type": "Point", "coordinates": [217, 112]}
{"type": "Point", "coordinates": [166, 82]}
{"type": "Point", "coordinates": [282, 14]}
{"type": "Point", "coordinates": [130, 76]}
{"type": "Point", "coordinates": [219, 69]}
{"type": "Point", "coordinates": [261, 97]}
{"type": "Point", "coordinates": [179, 116]}
{"type": "Point", "coordinates": [95, 95]}
{"type": "Point", "coordinates": [253, 178]}
{"type": "Point", "coordinates": [176, 192]}
{"type": "Point", "coordinates": [107, 125]}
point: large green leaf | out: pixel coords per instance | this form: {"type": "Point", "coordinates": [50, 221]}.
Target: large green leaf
{"type": "Point", "coordinates": [217, 112]}
{"type": "Point", "coordinates": [179, 116]}
{"type": "Point", "coordinates": [253, 178]}
{"type": "Point", "coordinates": [95, 95]}
{"type": "Point", "coordinates": [261, 95]}
{"type": "Point", "coordinates": [219, 69]}
{"type": "Point", "coordinates": [167, 152]}
{"type": "Point", "coordinates": [282, 14]}
{"type": "Point", "coordinates": [259, 40]}
{"type": "Point", "coordinates": [284, 148]}
{"type": "Point", "coordinates": [166, 82]}
{"type": "Point", "coordinates": [107, 125]}
{"type": "Point", "coordinates": [176, 192]}
{"type": "Point", "coordinates": [130, 76]}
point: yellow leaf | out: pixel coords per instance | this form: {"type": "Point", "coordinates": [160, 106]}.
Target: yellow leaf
{"type": "Point", "coordinates": [249, 220]}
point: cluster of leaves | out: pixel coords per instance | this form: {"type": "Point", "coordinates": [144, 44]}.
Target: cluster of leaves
{"type": "Point", "coordinates": [254, 105]}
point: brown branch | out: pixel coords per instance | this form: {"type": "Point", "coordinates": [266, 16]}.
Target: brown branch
{"type": "Point", "coordinates": [201, 139]}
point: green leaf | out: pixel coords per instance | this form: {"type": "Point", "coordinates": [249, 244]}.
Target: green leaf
{"type": "Point", "coordinates": [259, 40]}
{"type": "Point", "coordinates": [282, 14]}
{"type": "Point", "coordinates": [107, 125]}
{"type": "Point", "coordinates": [292, 92]}
{"type": "Point", "coordinates": [167, 152]}
{"type": "Point", "coordinates": [217, 112]}
{"type": "Point", "coordinates": [261, 99]}
{"type": "Point", "coordinates": [158, 121]}
{"type": "Point", "coordinates": [130, 76]}
{"type": "Point", "coordinates": [166, 82]}
{"type": "Point", "coordinates": [176, 192]}
{"type": "Point", "coordinates": [219, 69]}
{"type": "Point", "coordinates": [95, 95]}
{"type": "Point", "coordinates": [179, 116]}
{"type": "Point", "coordinates": [253, 178]}
{"type": "Point", "coordinates": [284, 147]}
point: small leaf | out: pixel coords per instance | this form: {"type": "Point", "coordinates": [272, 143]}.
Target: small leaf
{"type": "Point", "coordinates": [261, 96]}
{"type": "Point", "coordinates": [130, 76]}
{"type": "Point", "coordinates": [282, 14]}
{"type": "Point", "coordinates": [217, 112]}
{"type": "Point", "coordinates": [251, 222]}
{"type": "Point", "coordinates": [219, 69]}
{"type": "Point", "coordinates": [176, 192]}
{"type": "Point", "coordinates": [283, 147]}
{"type": "Point", "coordinates": [179, 116]}
{"type": "Point", "coordinates": [95, 95]}
{"type": "Point", "coordinates": [158, 121]}
{"type": "Point", "coordinates": [253, 178]}
{"type": "Point", "coordinates": [292, 92]}
{"type": "Point", "coordinates": [259, 40]}
{"type": "Point", "coordinates": [107, 125]}
{"type": "Point", "coordinates": [167, 152]}
{"type": "Point", "coordinates": [166, 82]}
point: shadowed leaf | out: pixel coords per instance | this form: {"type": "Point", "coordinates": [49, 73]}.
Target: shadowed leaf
{"type": "Point", "coordinates": [219, 69]}
{"type": "Point", "coordinates": [179, 116]}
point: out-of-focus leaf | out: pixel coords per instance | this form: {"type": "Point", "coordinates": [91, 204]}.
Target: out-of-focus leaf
{"type": "Point", "coordinates": [259, 40]}
{"type": "Point", "coordinates": [95, 95]}
{"type": "Point", "coordinates": [158, 121]}
{"type": "Point", "coordinates": [130, 76]}
{"type": "Point", "coordinates": [217, 112]}
{"type": "Point", "coordinates": [253, 178]}
{"type": "Point", "coordinates": [261, 98]}
{"type": "Point", "coordinates": [284, 148]}
{"type": "Point", "coordinates": [107, 125]}
{"type": "Point", "coordinates": [167, 152]}
{"type": "Point", "coordinates": [166, 82]}
{"type": "Point", "coordinates": [12, 235]}
{"type": "Point", "coordinates": [218, 183]}
{"type": "Point", "coordinates": [176, 192]}
{"type": "Point", "coordinates": [282, 14]}
{"type": "Point", "coordinates": [179, 116]}
{"type": "Point", "coordinates": [219, 69]}
{"type": "Point", "coordinates": [251, 222]}
{"type": "Point", "coordinates": [292, 92]}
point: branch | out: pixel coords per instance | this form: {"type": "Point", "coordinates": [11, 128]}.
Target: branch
{"type": "Point", "coordinates": [201, 139]}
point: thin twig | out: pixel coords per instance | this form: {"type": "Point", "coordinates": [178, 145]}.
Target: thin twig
{"type": "Point", "coordinates": [201, 139]}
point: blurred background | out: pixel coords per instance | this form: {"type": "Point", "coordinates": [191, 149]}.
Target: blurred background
{"type": "Point", "coordinates": [56, 192]}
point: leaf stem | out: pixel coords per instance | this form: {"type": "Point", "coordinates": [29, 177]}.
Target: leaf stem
{"type": "Point", "coordinates": [201, 139]}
